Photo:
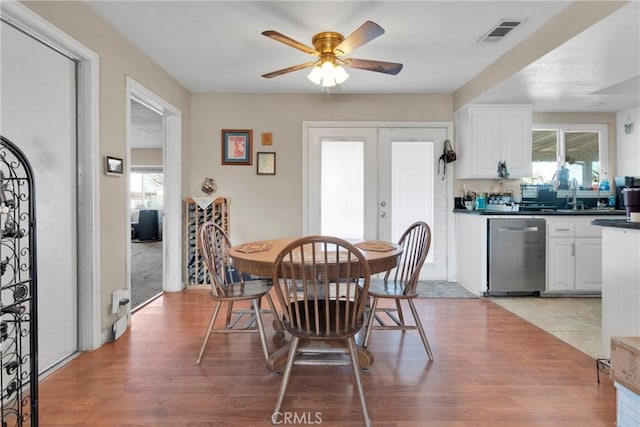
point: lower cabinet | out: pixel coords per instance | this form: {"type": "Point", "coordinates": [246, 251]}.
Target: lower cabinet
{"type": "Point", "coordinates": [574, 255]}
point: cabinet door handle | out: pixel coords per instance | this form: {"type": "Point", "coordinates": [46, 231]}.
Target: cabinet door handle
{"type": "Point", "coordinates": [573, 249]}
{"type": "Point", "coordinates": [563, 229]}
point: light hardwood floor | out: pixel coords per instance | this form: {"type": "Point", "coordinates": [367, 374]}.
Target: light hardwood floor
{"type": "Point", "coordinates": [491, 368]}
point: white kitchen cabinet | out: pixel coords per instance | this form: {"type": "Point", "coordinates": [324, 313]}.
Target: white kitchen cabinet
{"type": "Point", "coordinates": [488, 134]}
{"type": "Point", "coordinates": [574, 251]}
{"type": "Point", "coordinates": [560, 264]}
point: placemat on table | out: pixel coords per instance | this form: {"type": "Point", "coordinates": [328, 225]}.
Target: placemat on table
{"type": "Point", "coordinates": [249, 248]}
{"type": "Point", "coordinates": [375, 246]}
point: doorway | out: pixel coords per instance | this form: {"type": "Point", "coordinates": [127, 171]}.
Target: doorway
{"type": "Point", "coordinates": [146, 202]}
{"type": "Point", "coordinates": [373, 182]}
{"type": "Point", "coordinates": [163, 172]}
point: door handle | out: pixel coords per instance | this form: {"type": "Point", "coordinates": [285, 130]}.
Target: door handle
{"type": "Point", "coordinates": [383, 215]}
{"type": "Point", "coordinates": [383, 203]}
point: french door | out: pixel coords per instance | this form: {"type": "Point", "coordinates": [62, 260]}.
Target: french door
{"type": "Point", "coordinates": [373, 182]}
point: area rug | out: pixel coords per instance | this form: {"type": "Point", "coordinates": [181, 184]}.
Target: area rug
{"type": "Point", "coordinates": [442, 289]}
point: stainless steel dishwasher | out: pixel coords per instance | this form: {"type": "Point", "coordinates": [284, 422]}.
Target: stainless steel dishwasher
{"type": "Point", "coordinates": [516, 256]}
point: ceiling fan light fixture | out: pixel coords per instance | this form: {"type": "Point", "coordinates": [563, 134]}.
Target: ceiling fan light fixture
{"type": "Point", "coordinates": [328, 74]}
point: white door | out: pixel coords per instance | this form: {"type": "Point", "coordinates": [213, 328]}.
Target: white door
{"type": "Point", "coordinates": [410, 190]}
{"type": "Point", "coordinates": [38, 92]}
{"type": "Point", "coordinates": [372, 183]}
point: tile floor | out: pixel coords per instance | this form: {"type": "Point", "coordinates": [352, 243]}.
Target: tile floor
{"type": "Point", "coordinates": [576, 321]}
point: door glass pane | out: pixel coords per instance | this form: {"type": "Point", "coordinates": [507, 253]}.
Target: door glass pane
{"type": "Point", "coordinates": [544, 155]}
{"type": "Point", "coordinates": [342, 189]}
{"type": "Point", "coordinates": [412, 187]}
{"type": "Point", "coordinates": [582, 156]}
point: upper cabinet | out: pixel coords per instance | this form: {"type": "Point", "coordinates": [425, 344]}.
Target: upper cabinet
{"type": "Point", "coordinates": [489, 134]}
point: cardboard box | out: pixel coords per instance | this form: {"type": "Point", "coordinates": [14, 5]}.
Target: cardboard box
{"type": "Point", "coordinates": [625, 362]}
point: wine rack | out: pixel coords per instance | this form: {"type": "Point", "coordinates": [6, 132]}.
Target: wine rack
{"type": "Point", "coordinates": [195, 216]}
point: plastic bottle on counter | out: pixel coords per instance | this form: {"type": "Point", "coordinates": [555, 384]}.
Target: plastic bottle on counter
{"type": "Point", "coordinates": [604, 182]}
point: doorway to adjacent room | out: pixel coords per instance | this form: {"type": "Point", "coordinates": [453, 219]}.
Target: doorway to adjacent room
{"type": "Point", "coordinates": [146, 202]}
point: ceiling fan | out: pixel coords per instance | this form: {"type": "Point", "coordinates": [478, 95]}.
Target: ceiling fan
{"type": "Point", "coordinates": [330, 48]}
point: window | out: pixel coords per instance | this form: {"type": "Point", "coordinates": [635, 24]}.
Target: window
{"type": "Point", "coordinates": [147, 188]}
{"type": "Point", "coordinates": [581, 149]}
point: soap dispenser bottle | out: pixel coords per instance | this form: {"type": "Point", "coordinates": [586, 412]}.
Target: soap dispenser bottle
{"type": "Point", "coordinates": [604, 182]}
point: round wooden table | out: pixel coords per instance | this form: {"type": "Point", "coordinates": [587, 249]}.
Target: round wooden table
{"type": "Point", "coordinates": [260, 263]}
{"type": "Point", "coordinates": [257, 258]}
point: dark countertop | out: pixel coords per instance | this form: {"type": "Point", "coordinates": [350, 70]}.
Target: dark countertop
{"type": "Point", "coordinates": [620, 223]}
{"type": "Point", "coordinates": [563, 212]}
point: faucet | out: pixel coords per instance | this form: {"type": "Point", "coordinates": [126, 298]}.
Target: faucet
{"type": "Point", "coordinates": [574, 196]}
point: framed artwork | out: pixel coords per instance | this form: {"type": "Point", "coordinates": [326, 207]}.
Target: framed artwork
{"type": "Point", "coordinates": [236, 147]}
{"type": "Point", "coordinates": [113, 165]}
{"type": "Point", "coordinates": [266, 163]}
{"type": "Point", "coordinates": [267, 138]}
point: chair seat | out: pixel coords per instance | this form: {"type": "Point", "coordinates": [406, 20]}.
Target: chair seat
{"type": "Point", "coordinates": [338, 327]}
{"type": "Point", "coordinates": [388, 289]}
{"type": "Point", "coordinates": [249, 290]}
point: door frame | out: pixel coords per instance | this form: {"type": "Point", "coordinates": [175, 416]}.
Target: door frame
{"type": "Point", "coordinates": [88, 178]}
{"type": "Point", "coordinates": [172, 170]}
{"type": "Point", "coordinates": [450, 217]}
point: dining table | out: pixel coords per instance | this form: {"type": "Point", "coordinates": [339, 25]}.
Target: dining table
{"type": "Point", "coordinates": [257, 258]}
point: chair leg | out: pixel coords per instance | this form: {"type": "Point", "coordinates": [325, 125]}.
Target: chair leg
{"type": "Point", "coordinates": [416, 318]}
{"type": "Point", "coordinates": [399, 309]}
{"type": "Point", "coordinates": [277, 322]}
{"type": "Point", "coordinates": [227, 322]}
{"type": "Point", "coordinates": [358, 380]}
{"type": "Point", "coordinates": [263, 336]}
{"type": "Point", "coordinates": [214, 315]}
{"type": "Point", "coordinates": [293, 348]}
{"type": "Point", "coordinates": [374, 306]}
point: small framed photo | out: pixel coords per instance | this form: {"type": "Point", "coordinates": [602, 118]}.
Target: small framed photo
{"type": "Point", "coordinates": [266, 163]}
{"type": "Point", "coordinates": [113, 165]}
{"type": "Point", "coordinates": [236, 147]}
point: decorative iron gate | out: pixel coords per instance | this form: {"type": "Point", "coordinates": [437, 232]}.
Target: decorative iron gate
{"type": "Point", "coordinates": [18, 280]}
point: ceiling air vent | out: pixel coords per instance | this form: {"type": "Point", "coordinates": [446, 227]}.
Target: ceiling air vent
{"type": "Point", "coordinates": [499, 31]}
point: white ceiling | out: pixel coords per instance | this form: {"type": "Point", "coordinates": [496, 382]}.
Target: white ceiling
{"type": "Point", "coordinates": [217, 47]}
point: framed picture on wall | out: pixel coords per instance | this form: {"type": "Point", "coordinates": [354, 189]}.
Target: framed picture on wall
{"type": "Point", "coordinates": [266, 163]}
{"type": "Point", "coordinates": [236, 147]}
{"type": "Point", "coordinates": [113, 165]}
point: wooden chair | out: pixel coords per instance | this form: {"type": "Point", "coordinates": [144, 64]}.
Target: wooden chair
{"type": "Point", "coordinates": [228, 287]}
{"type": "Point", "coordinates": [400, 284]}
{"type": "Point", "coordinates": [321, 283]}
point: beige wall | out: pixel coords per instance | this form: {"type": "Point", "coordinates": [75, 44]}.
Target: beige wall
{"type": "Point", "coordinates": [146, 157]}
{"type": "Point", "coordinates": [265, 206]}
{"type": "Point", "coordinates": [118, 59]}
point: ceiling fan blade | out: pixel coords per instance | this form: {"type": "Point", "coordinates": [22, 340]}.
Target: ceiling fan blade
{"type": "Point", "coordinates": [369, 65]}
{"type": "Point", "coordinates": [289, 69]}
{"type": "Point", "coordinates": [364, 34]}
{"type": "Point", "coordinates": [290, 42]}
